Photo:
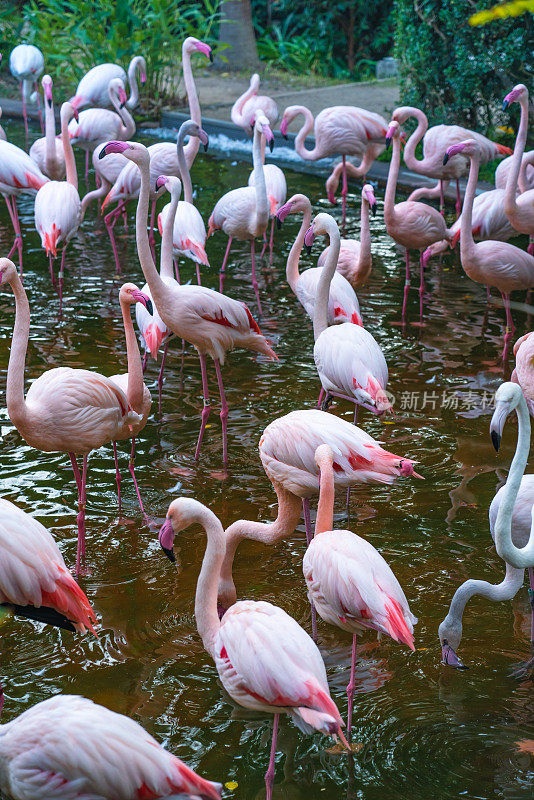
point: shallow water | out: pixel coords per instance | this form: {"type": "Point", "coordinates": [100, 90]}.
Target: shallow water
{"type": "Point", "coordinates": [426, 732]}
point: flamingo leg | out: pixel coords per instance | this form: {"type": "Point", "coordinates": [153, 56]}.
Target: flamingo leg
{"type": "Point", "coordinates": [320, 400]}
{"type": "Point", "coordinates": [60, 280]}
{"type": "Point", "coordinates": [80, 519]}
{"type": "Point", "coordinates": [349, 488]}
{"type": "Point", "coordinates": [24, 112]}
{"type": "Point", "coordinates": [51, 267]}
{"type": "Point", "coordinates": [207, 405]}
{"type": "Point", "coordinates": [458, 199]}
{"type": "Point", "coordinates": [264, 248]}
{"type": "Point", "coordinates": [441, 199]}
{"type": "Point", "coordinates": [254, 281]}
{"type": "Point", "coordinates": [176, 270]}
{"type": "Point", "coordinates": [198, 274]}
{"type": "Point", "coordinates": [124, 216]}
{"type": "Point", "coordinates": [109, 222]}
{"type": "Point", "coordinates": [309, 537]}
{"type": "Point", "coordinates": [510, 327]}
{"type": "Point", "coordinates": [117, 474]}
{"type": "Point", "coordinates": [223, 267]}
{"type": "Point", "coordinates": [160, 376]}
{"type": "Point", "coordinates": [269, 775]}
{"type": "Point", "coordinates": [271, 243]}
{"type": "Point", "coordinates": [422, 283]}
{"type": "Point", "coordinates": [488, 295]}
{"type": "Point", "coordinates": [344, 192]}
{"type": "Point", "coordinates": [41, 123]}
{"type": "Point", "coordinates": [351, 687]}
{"type": "Point", "coordinates": [224, 411]}
{"type": "Point", "coordinates": [406, 284]}
{"type": "Point", "coordinates": [11, 204]}
{"type": "Point", "coordinates": [87, 166]}
{"type": "Point", "coordinates": [131, 466]}
{"type": "Point", "coordinates": [145, 361]}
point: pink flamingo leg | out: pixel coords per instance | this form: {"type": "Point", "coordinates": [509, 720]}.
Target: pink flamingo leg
{"type": "Point", "coordinates": [198, 274]}
{"type": "Point", "coordinates": [344, 192]}
{"type": "Point", "coordinates": [271, 243]}
{"type": "Point", "coordinates": [60, 280]}
{"type": "Point", "coordinates": [488, 295]}
{"type": "Point", "coordinates": [11, 204]}
{"type": "Point", "coordinates": [458, 199]}
{"type": "Point", "coordinates": [254, 281]}
{"type": "Point", "coordinates": [160, 376]}
{"type": "Point", "coordinates": [309, 537]}
{"type": "Point", "coordinates": [87, 166]}
{"type": "Point", "coordinates": [41, 123]}
{"type": "Point", "coordinates": [224, 411]}
{"type": "Point", "coordinates": [132, 473]}
{"type": "Point", "coordinates": [351, 687]}
{"type": "Point", "coordinates": [24, 112]}
{"type": "Point", "coordinates": [320, 400]}
{"type": "Point", "coordinates": [531, 597]}
{"type": "Point", "coordinates": [441, 199]}
{"type": "Point", "coordinates": [145, 361]}
{"type": "Point", "coordinates": [109, 221]}
{"type": "Point", "coordinates": [207, 405]}
{"type": "Point", "coordinates": [176, 270]}
{"type": "Point", "coordinates": [264, 248]}
{"type": "Point", "coordinates": [510, 327]}
{"type": "Point", "coordinates": [269, 775]}
{"type": "Point", "coordinates": [421, 284]}
{"type": "Point", "coordinates": [222, 269]}
{"type": "Point", "coordinates": [80, 519]}
{"type": "Point", "coordinates": [406, 284]}
{"type": "Point", "coordinates": [355, 421]}
{"type": "Point", "coordinates": [117, 475]}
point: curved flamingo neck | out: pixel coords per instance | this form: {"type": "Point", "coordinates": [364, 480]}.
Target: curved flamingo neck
{"type": "Point", "coordinates": [191, 149]}
{"type": "Point", "coordinates": [293, 260]}
{"type": "Point", "coordinates": [260, 187]}
{"type": "Point", "coordinates": [51, 161]}
{"type": "Point", "coordinates": [409, 148]}
{"type": "Point", "coordinates": [157, 287]}
{"type": "Point", "coordinates": [70, 162]}
{"type": "Point", "coordinates": [236, 113]}
{"type": "Point", "coordinates": [365, 235]}
{"type": "Point", "coordinates": [391, 185]}
{"type": "Point", "coordinates": [135, 368]}
{"type": "Point", "coordinates": [325, 508]}
{"type": "Point", "coordinates": [206, 594]}
{"type": "Point", "coordinates": [467, 243]}
{"type": "Point", "coordinates": [518, 557]}
{"type": "Point", "coordinates": [16, 402]}
{"type": "Point", "coordinates": [300, 147]}
{"type": "Point", "coordinates": [320, 315]}
{"type": "Point", "coordinates": [128, 124]}
{"type": "Point", "coordinates": [166, 256]}
{"type": "Point", "coordinates": [133, 100]}
{"type": "Point", "coordinates": [185, 175]}
{"type": "Point", "coordinates": [510, 202]}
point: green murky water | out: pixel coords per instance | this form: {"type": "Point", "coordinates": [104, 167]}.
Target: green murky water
{"type": "Point", "coordinates": [426, 732]}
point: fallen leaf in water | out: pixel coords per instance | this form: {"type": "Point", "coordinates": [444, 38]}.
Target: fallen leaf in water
{"type": "Point", "coordinates": [231, 785]}
{"type": "Point", "coordinates": [525, 746]}
{"type": "Point", "coordinates": [339, 748]}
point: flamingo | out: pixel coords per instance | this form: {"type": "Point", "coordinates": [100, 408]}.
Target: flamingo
{"type": "Point", "coordinates": [276, 188]}
{"type": "Point", "coordinates": [68, 746]}
{"type": "Point", "coordinates": [26, 64]}
{"type": "Point", "coordinates": [345, 130]}
{"type": "Point", "coordinates": [526, 173]}
{"type": "Point", "coordinates": [58, 210]}
{"type": "Point", "coordinates": [287, 451]}
{"type": "Point", "coordinates": [510, 517]}
{"type": "Point", "coordinates": [244, 213]}
{"type": "Point", "coordinates": [189, 231]}
{"type": "Point", "coordinates": [93, 89]}
{"type": "Point", "coordinates": [349, 583]}
{"type": "Point", "coordinates": [48, 152]}
{"type": "Point", "coordinates": [355, 260]}
{"type": "Point", "coordinates": [3, 136]}
{"type": "Point", "coordinates": [107, 171]}
{"type": "Point", "coordinates": [264, 659]}
{"type": "Point", "coordinates": [519, 208]}
{"type": "Point", "coordinates": [349, 360]}
{"type": "Point", "coordinates": [65, 410]}
{"type": "Point", "coordinates": [435, 141]}
{"type": "Point", "coordinates": [343, 304]}
{"type": "Point", "coordinates": [210, 321]}
{"type": "Point", "coordinates": [492, 263]}
{"type": "Point", "coordinates": [410, 224]}
{"type": "Point", "coordinates": [245, 108]}
{"type": "Point", "coordinates": [523, 374]}
{"type": "Point", "coordinates": [18, 175]}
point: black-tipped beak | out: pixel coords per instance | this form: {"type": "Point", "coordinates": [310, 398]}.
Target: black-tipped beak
{"type": "Point", "coordinates": [445, 158]}
{"type": "Point", "coordinates": [505, 105]}
{"type": "Point", "coordinates": [308, 248]}
{"type": "Point", "coordinates": [169, 552]}
{"type": "Point", "coordinates": [49, 101]}
{"type": "Point", "coordinates": [211, 56]}
{"type": "Point", "coordinates": [373, 209]}
{"type": "Point", "coordinates": [102, 153]}
{"type": "Point", "coordinates": [449, 657]}
{"type": "Point", "coordinates": [388, 143]}
{"type": "Point", "coordinates": [150, 307]}
{"type": "Point", "coordinates": [271, 145]}
{"type": "Point", "coordinates": [495, 440]}
{"type": "Point", "coordinates": [206, 145]}
{"type": "Point", "coordinates": [286, 137]}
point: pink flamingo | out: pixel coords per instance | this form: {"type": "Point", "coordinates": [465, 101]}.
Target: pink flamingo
{"type": "Point", "coordinates": [265, 660]}
{"type": "Point", "coordinates": [65, 410]}
{"type": "Point", "coordinates": [349, 583]}
{"type": "Point", "coordinates": [355, 259]}
{"type": "Point", "coordinates": [40, 755]}
{"type": "Point", "coordinates": [244, 213]}
{"type": "Point", "coordinates": [287, 451]}
{"type": "Point", "coordinates": [189, 231]}
{"type": "Point", "coordinates": [58, 210]}
{"type": "Point", "coordinates": [519, 208]}
{"type": "Point", "coordinates": [3, 136]}
{"type": "Point", "coordinates": [210, 321]}
{"type": "Point", "coordinates": [93, 89]}
{"type": "Point", "coordinates": [349, 361]}
{"type": "Point", "coordinates": [526, 173]}
{"type": "Point", "coordinates": [18, 175]}
{"type": "Point", "coordinates": [411, 224]}
{"type": "Point", "coordinates": [523, 373]}
{"type": "Point", "coordinates": [510, 517]}
{"type": "Point", "coordinates": [492, 263]}
{"type": "Point", "coordinates": [26, 64]}
{"type": "Point", "coordinates": [339, 130]}
{"type": "Point", "coordinates": [343, 304]}
{"type": "Point", "coordinates": [276, 188]}
{"type": "Point", "coordinates": [435, 141]}
{"type": "Point", "coordinates": [245, 108]}
{"type": "Point", "coordinates": [48, 152]}
{"type": "Point", "coordinates": [106, 171]}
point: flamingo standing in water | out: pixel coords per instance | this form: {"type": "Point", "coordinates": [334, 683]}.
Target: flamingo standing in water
{"type": "Point", "coordinates": [343, 304]}
{"type": "Point", "coordinates": [58, 210]}
{"type": "Point", "coordinates": [411, 224]}
{"type": "Point", "coordinates": [40, 753]}
{"type": "Point", "coordinates": [519, 208]}
{"type": "Point", "coordinates": [26, 64]}
{"type": "Point", "coordinates": [189, 231]}
{"type": "Point", "coordinates": [48, 152]}
{"type": "Point", "coordinates": [510, 518]}
{"type": "Point", "coordinates": [210, 321]}
{"type": "Point", "coordinates": [265, 660]}
{"type": "Point", "coordinates": [349, 583]}
{"type": "Point", "coordinates": [65, 410]}
{"type": "Point", "coordinates": [492, 263]}
{"type": "Point", "coordinates": [246, 106]}
{"type": "Point", "coordinates": [523, 373]}
{"type": "Point", "coordinates": [244, 213]}
{"type": "Point", "coordinates": [339, 130]}
{"type": "Point", "coordinates": [93, 89]}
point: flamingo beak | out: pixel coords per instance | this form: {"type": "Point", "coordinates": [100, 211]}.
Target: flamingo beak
{"type": "Point", "coordinates": [497, 423]}
{"type": "Point", "coordinates": [449, 657]}
{"type": "Point", "coordinates": [205, 140]}
{"type": "Point", "coordinates": [445, 158]}
{"type": "Point", "coordinates": [166, 540]}
{"type": "Point", "coordinates": [145, 300]}
{"type": "Point", "coordinates": [309, 238]}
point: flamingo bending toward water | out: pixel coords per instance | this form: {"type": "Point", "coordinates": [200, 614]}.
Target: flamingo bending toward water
{"type": "Point", "coordinates": [519, 208]}
{"type": "Point", "coordinates": [243, 213]}
{"type": "Point", "coordinates": [210, 321]}
{"type": "Point", "coordinates": [68, 746]}
{"type": "Point", "coordinates": [526, 173]}
{"type": "Point", "coordinates": [510, 518]}
{"type": "Point", "coordinates": [349, 583]}
{"type": "Point", "coordinates": [246, 106]}
{"type": "Point", "coordinates": [265, 660]}
{"type": "Point", "coordinates": [339, 130]}
{"type": "Point", "coordinates": [93, 89]}
{"type": "Point", "coordinates": [492, 263]}
{"type": "Point", "coordinates": [66, 410]}
{"type": "Point", "coordinates": [26, 64]}
{"type": "Point", "coordinates": [48, 152]}
{"type": "Point", "coordinates": [343, 304]}
{"type": "Point", "coordinates": [58, 210]}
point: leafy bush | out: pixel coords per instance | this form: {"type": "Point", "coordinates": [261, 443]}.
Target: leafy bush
{"type": "Point", "coordinates": [456, 72]}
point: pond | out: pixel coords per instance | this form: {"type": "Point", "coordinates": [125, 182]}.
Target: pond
{"type": "Point", "coordinates": [426, 732]}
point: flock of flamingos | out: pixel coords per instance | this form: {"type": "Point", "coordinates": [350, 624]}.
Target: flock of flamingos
{"type": "Point", "coordinates": [67, 746]}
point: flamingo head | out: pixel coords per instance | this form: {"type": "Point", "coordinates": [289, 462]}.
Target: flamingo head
{"type": "Point", "coordinates": [392, 132]}
{"type": "Point", "coordinates": [161, 182]}
{"type": "Point", "coordinates": [369, 195]}
{"type": "Point", "coordinates": [46, 83]}
{"type": "Point", "coordinates": [467, 148]}
{"type": "Point", "coordinates": [406, 468]}
{"type": "Point", "coordinates": [182, 512]}
{"type": "Point", "coordinates": [507, 398]}
{"type": "Point", "coordinates": [166, 539]}
{"type": "Point", "coordinates": [322, 225]}
{"type": "Point", "coordinates": [283, 212]}
{"type": "Point", "coordinates": [261, 124]}
{"type": "Point", "coordinates": [450, 636]}
{"type": "Point", "coordinates": [130, 294]}
{"type": "Point", "coordinates": [520, 341]}
{"type": "Point", "coordinates": [516, 94]}
{"type": "Point", "coordinates": [201, 47]}
{"type": "Point", "coordinates": [8, 271]}
{"type": "Point", "coordinates": [193, 129]}
{"type": "Point", "coordinates": [133, 151]}
{"type": "Point", "coordinates": [141, 66]}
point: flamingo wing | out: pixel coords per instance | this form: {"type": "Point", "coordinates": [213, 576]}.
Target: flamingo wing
{"type": "Point", "coordinates": [343, 303]}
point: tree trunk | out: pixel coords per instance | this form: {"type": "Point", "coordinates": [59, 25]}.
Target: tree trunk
{"type": "Point", "coordinates": [237, 32]}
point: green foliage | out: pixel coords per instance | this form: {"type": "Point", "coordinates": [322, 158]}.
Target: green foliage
{"type": "Point", "coordinates": [455, 72]}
